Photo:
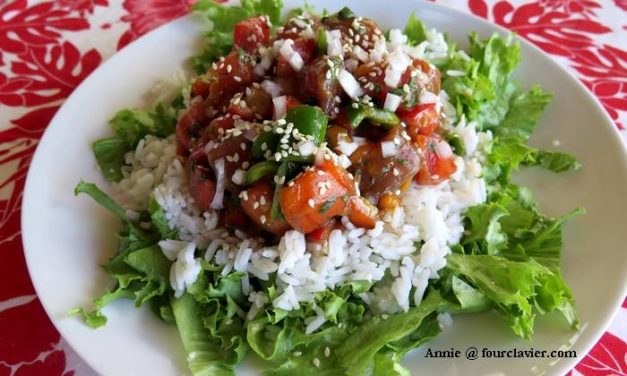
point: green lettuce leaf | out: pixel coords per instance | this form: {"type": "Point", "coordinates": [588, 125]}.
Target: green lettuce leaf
{"type": "Point", "coordinates": [224, 19]}
{"type": "Point", "coordinates": [205, 356]}
{"type": "Point", "coordinates": [415, 30]}
{"type": "Point", "coordinates": [357, 352]}
{"type": "Point", "coordinates": [515, 287]}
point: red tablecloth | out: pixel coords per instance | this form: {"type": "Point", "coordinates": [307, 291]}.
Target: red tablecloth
{"type": "Point", "coordinates": [48, 47]}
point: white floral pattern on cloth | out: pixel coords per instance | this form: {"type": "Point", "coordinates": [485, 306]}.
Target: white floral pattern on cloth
{"type": "Point", "coordinates": [48, 47]}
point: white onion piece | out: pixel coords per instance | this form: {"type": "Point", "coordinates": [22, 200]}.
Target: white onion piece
{"type": "Point", "coordinates": [347, 148]}
{"type": "Point", "coordinates": [280, 107]}
{"type": "Point", "coordinates": [334, 43]}
{"type": "Point", "coordinates": [307, 148]}
{"type": "Point", "coordinates": [359, 140]}
{"type": "Point", "coordinates": [296, 61]}
{"type": "Point", "coordinates": [392, 77]}
{"type": "Point", "coordinates": [271, 88]}
{"type": "Point", "coordinates": [361, 54]}
{"type": "Point", "coordinates": [350, 84]}
{"type": "Point", "coordinates": [427, 97]}
{"type": "Point", "coordinates": [444, 150]}
{"type": "Point", "coordinates": [218, 197]}
{"type": "Point", "coordinates": [397, 37]}
{"type": "Point", "coordinates": [392, 101]}
{"type": "Point", "coordinates": [238, 177]}
{"type": "Point", "coordinates": [286, 49]}
{"type": "Point", "coordinates": [388, 149]}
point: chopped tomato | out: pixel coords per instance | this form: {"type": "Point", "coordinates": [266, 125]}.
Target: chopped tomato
{"type": "Point", "coordinates": [257, 204]}
{"type": "Point", "coordinates": [283, 68]}
{"type": "Point", "coordinates": [317, 195]}
{"type": "Point", "coordinates": [250, 33]}
{"type": "Point", "coordinates": [321, 234]}
{"type": "Point", "coordinates": [201, 86]}
{"type": "Point", "coordinates": [232, 216]}
{"type": "Point", "coordinates": [379, 174]}
{"type": "Point", "coordinates": [361, 212]}
{"type": "Point", "coordinates": [421, 120]}
{"type": "Point", "coordinates": [217, 127]}
{"type": "Point", "coordinates": [241, 110]}
{"type": "Point", "coordinates": [189, 127]}
{"type": "Point", "coordinates": [306, 48]}
{"type": "Point", "coordinates": [291, 102]}
{"type": "Point", "coordinates": [371, 76]}
{"type": "Point", "coordinates": [202, 186]}
{"type": "Point", "coordinates": [434, 168]}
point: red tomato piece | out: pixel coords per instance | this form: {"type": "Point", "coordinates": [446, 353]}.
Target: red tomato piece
{"type": "Point", "coordinates": [421, 120]}
{"type": "Point", "coordinates": [202, 187]}
{"type": "Point", "coordinates": [434, 168]}
{"type": "Point", "coordinates": [250, 33]}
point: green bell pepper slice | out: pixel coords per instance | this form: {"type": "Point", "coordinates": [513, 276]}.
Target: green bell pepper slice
{"type": "Point", "coordinates": [377, 116]}
{"type": "Point", "coordinates": [309, 120]}
{"type": "Point", "coordinates": [260, 171]}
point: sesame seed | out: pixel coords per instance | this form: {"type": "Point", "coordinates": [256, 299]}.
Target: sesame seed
{"type": "Point", "coordinates": [398, 192]}
{"type": "Point", "coordinates": [229, 68]}
{"type": "Point", "coordinates": [264, 146]}
{"type": "Point", "coordinates": [327, 351]}
{"type": "Point", "coordinates": [262, 200]}
{"type": "Point", "coordinates": [316, 362]}
{"type": "Point", "coordinates": [290, 184]}
{"type": "Point", "coordinates": [243, 195]}
{"type": "Point", "coordinates": [395, 172]}
{"type": "Point", "coordinates": [256, 205]}
{"type": "Point", "coordinates": [297, 353]}
{"type": "Point", "coordinates": [320, 172]}
{"type": "Point", "coordinates": [262, 219]}
{"type": "Point", "coordinates": [311, 203]}
{"type": "Point", "coordinates": [237, 78]}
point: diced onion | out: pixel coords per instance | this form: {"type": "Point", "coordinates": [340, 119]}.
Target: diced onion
{"type": "Point", "coordinates": [361, 54]}
{"type": "Point", "coordinates": [271, 88]}
{"type": "Point", "coordinates": [397, 37]}
{"type": "Point", "coordinates": [344, 161]}
{"type": "Point", "coordinates": [238, 177]}
{"type": "Point", "coordinates": [427, 97]}
{"type": "Point", "coordinates": [350, 84]}
{"type": "Point", "coordinates": [218, 197]}
{"type": "Point", "coordinates": [392, 77]}
{"type": "Point", "coordinates": [296, 61]}
{"type": "Point", "coordinates": [307, 148]}
{"type": "Point", "coordinates": [286, 49]}
{"type": "Point", "coordinates": [334, 43]}
{"type": "Point", "coordinates": [359, 140]}
{"type": "Point", "coordinates": [388, 149]}
{"type": "Point", "coordinates": [292, 57]}
{"type": "Point", "coordinates": [392, 101]}
{"type": "Point", "coordinates": [347, 148]}
{"type": "Point", "coordinates": [398, 60]}
{"type": "Point", "coordinates": [444, 150]}
{"type": "Point", "coordinates": [280, 107]}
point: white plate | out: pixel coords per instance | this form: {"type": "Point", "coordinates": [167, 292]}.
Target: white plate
{"type": "Point", "coordinates": [66, 238]}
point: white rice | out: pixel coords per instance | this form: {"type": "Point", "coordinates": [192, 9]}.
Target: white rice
{"type": "Point", "coordinates": [431, 216]}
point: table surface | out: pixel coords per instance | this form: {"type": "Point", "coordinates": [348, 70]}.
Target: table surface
{"type": "Point", "coordinates": [48, 47]}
